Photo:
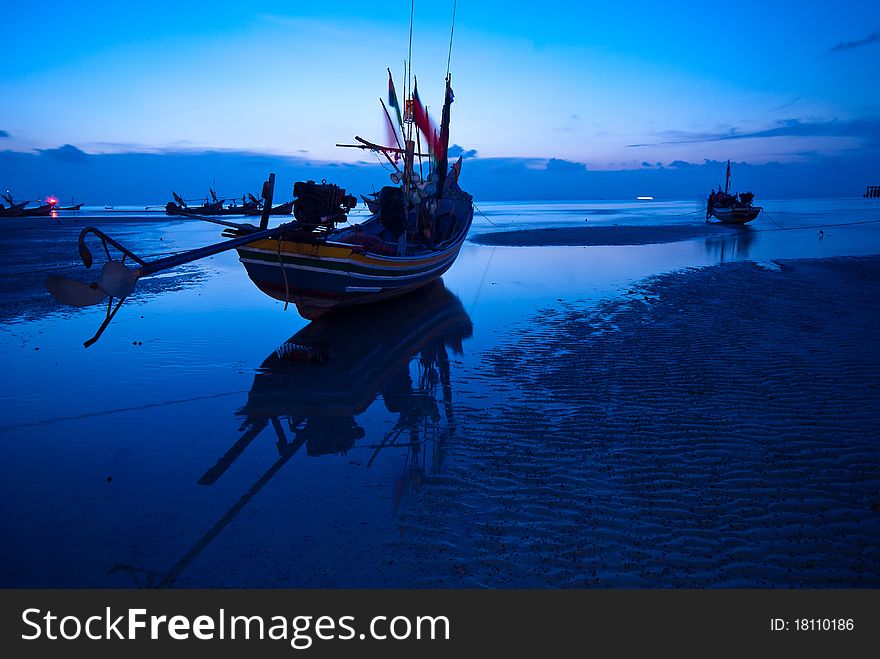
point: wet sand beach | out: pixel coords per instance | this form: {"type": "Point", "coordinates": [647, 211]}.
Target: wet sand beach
{"type": "Point", "coordinates": [714, 428]}
{"type": "Point", "coordinates": [608, 235]}
{"type": "Point", "coordinates": [630, 409]}
{"type": "Point", "coordinates": [33, 248]}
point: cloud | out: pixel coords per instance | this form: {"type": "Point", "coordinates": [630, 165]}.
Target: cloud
{"type": "Point", "coordinates": [866, 128]}
{"type": "Point", "coordinates": [455, 151]}
{"type": "Point", "coordinates": [785, 105]}
{"type": "Point", "coordinates": [4, 133]}
{"type": "Point", "coordinates": [559, 166]}
{"type": "Point", "coordinates": [147, 178]}
{"type": "Point", "coordinates": [874, 37]}
{"type": "Point", "coordinates": [66, 153]}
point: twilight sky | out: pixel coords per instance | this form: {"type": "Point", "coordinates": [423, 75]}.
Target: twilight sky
{"type": "Point", "coordinates": [613, 85]}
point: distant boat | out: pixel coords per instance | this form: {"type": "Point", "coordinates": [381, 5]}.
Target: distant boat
{"type": "Point", "coordinates": [44, 210]}
{"type": "Point", "coordinates": [249, 206]}
{"type": "Point", "coordinates": [281, 209]}
{"type": "Point", "coordinates": [180, 207]}
{"type": "Point", "coordinates": [13, 210]}
{"type": "Point", "coordinates": [20, 209]}
{"type": "Point", "coordinates": [731, 209]}
{"type": "Point", "coordinates": [252, 206]}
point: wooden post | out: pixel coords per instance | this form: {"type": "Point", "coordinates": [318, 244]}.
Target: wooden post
{"type": "Point", "coordinates": [268, 193]}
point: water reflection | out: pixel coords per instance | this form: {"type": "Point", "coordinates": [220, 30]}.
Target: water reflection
{"type": "Point", "coordinates": [328, 373]}
{"type": "Point", "coordinates": [734, 244]}
{"type": "Point", "coordinates": [311, 391]}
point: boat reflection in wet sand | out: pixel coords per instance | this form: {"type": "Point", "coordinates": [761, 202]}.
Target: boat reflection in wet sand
{"type": "Point", "coordinates": [313, 387]}
{"type": "Point", "coordinates": [333, 369]}
{"type": "Point", "coordinates": [733, 244]}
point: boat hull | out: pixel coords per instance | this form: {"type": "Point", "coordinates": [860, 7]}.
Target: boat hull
{"type": "Point", "coordinates": [281, 209]}
{"type": "Point", "coordinates": [37, 211]}
{"type": "Point", "coordinates": [736, 215]}
{"type": "Point", "coordinates": [320, 277]}
{"type": "Point", "coordinates": [12, 211]}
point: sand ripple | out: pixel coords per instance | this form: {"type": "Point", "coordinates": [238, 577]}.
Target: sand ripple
{"type": "Point", "coordinates": [725, 433]}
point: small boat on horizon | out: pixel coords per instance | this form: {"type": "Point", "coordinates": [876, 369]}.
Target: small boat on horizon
{"type": "Point", "coordinates": [731, 209]}
{"type": "Point", "coordinates": [74, 207]}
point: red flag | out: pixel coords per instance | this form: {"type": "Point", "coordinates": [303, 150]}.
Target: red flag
{"type": "Point", "coordinates": [454, 174]}
{"type": "Point", "coordinates": [423, 121]}
{"type": "Point", "coordinates": [391, 137]}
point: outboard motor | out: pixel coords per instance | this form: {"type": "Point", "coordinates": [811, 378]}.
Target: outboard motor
{"type": "Point", "coordinates": [321, 205]}
{"type": "Point", "coordinates": [391, 210]}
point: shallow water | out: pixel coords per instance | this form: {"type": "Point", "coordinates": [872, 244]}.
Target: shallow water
{"type": "Point", "coordinates": [141, 461]}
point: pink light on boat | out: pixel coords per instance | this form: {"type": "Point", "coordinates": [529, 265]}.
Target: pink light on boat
{"type": "Point", "coordinates": [51, 201]}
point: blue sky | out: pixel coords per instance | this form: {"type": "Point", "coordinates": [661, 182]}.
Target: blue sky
{"type": "Point", "coordinates": [612, 85]}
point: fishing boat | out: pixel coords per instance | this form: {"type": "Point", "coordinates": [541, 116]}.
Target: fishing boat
{"type": "Point", "coordinates": [20, 209]}
{"type": "Point", "coordinates": [13, 210]}
{"type": "Point", "coordinates": [415, 236]}
{"type": "Point", "coordinates": [250, 205]}
{"type": "Point", "coordinates": [215, 208]}
{"type": "Point", "coordinates": [180, 207]}
{"type": "Point", "coordinates": [43, 210]}
{"type": "Point", "coordinates": [731, 209]}
{"type": "Point", "coordinates": [74, 207]}
{"type": "Point", "coordinates": [281, 209]}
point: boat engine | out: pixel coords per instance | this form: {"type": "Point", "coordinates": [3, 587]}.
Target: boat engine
{"type": "Point", "coordinates": [321, 205]}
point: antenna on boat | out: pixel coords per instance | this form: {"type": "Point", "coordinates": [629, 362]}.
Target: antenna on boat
{"type": "Point", "coordinates": [451, 32]}
{"type": "Point", "coordinates": [412, 9]}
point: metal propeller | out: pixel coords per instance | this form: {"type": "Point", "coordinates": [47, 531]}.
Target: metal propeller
{"type": "Point", "coordinates": [73, 292]}
{"type": "Point", "coordinates": [117, 280]}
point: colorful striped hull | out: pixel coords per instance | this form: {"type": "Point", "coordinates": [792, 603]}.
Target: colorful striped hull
{"type": "Point", "coordinates": [320, 277]}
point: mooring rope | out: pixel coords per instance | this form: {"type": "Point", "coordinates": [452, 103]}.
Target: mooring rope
{"type": "Point", "coordinates": [283, 274]}
{"type": "Point", "coordinates": [485, 217]}
{"type": "Point", "coordinates": [482, 281]}
{"type": "Point", "coordinates": [763, 212]}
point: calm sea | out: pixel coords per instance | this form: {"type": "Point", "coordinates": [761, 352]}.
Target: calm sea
{"type": "Point", "coordinates": [181, 451]}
